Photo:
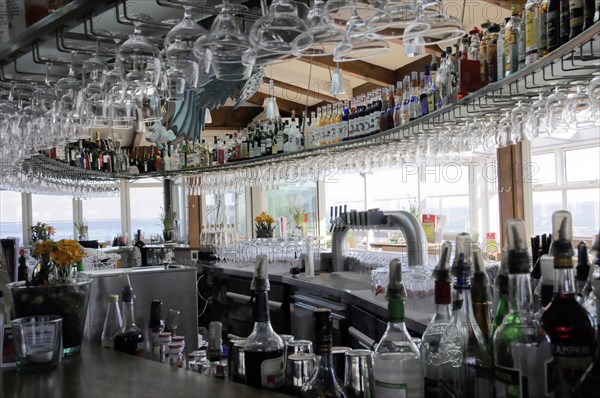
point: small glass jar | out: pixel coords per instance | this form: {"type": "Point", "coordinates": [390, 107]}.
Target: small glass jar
{"type": "Point", "coordinates": [164, 339]}
{"type": "Point", "coordinates": [176, 357]}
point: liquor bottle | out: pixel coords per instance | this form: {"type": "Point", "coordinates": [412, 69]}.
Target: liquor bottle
{"type": "Point", "coordinates": [263, 351]}
{"type": "Point", "coordinates": [467, 364]}
{"type": "Point", "coordinates": [430, 342]}
{"type": "Point", "coordinates": [500, 301]}
{"type": "Point", "coordinates": [129, 338]}
{"type": "Point", "coordinates": [589, 384]}
{"type": "Point", "coordinates": [383, 120]}
{"type": "Point", "coordinates": [522, 352]}
{"type": "Point", "coordinates": [500, 53]}
{"type": "Point", "coordinates": [159, 162]}
{"type": "Point", "coordinates": [511, 42]}
{"type": "Point", "coordinates": [424, 97]}
{"type": "Point", "coordinates": [150, 160]}
{"type": "Point", "coordinates": [344, 127]}
{"type": "Point", "coordinates": [214, 353]}
{"type": "Point", "coordinates": [155, 327]}
{"type": "Point", "coordinates": [565, 321]}
{"type": "Point", "coordinates": [491, 56]}
{"type": "Point", "coordinates": [341, 132]}
{"type": "Point", "coordinates": [532, 30]}
{"type": "Point", "coordinates": [398, 107]}
{"type": "Point", "coordinates": [405, 110]}
{"type": "Point", "coordinates": [583, 268]}
{"type": "Point", "coordinates": [576, 17]}
{"type": "Point", "coordinates": [391, 106]}
{"type": "Point", "coordinates": [397, 363]}
{"type": "Point", "coordinates": [589, 9]}
{"type": "Point", "coordinates": [480, 296]}
{"type": "Point", "coordinates": [113, 322]}
{"type": "Point", "coordinates": [309, 130]}
{"type": "Point", "coordinates": [565, 22]}
{"type": "Point", "coordinates": [414, 108]}
{"type": "Point", "coordinates": [139, 252]}
{"type": "Point", "coordinates": [522, 45]}
{"type": "Point", "coordinates": [323, 383]}
{"type": "Point", "coordinates": [553, 25]}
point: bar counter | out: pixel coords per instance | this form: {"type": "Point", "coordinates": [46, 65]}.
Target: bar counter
{"type": "Point", "coordinates": [101, 372]}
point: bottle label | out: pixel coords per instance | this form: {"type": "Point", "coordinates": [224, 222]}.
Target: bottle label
{"type": "Point", "coordinates": [390, 390]}
{"type": "Point", "coordinates": [570, 361]}
{"type": "Point", "coordinates": [508, 382]}
{"type": "Point", "coordinates": [510, 40]}
{"type": "Point", "coordinates": [530, 30]}
{"type": "Point", "coordinates": [344, 130]}
{"type": "Point", "coordinates": [272, 373]}
{"type": "Point", "coordinates": [576, 13]}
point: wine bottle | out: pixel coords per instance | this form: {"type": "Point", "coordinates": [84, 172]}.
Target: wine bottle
{"type": "Point", "coordinates": [500, 293]}
{"type": "Point", "coordinates": [552, 24]}
{"type": "Point", "coordinates": [565, 22]}
{"type": "Point", "coordinates": [397, 363]}
{"type": "Point", "coordinates": [430, 343]}
{"type": "Point", "coordinates": [129, 338]}
{"type": "Point", "coordinates": [323, 382]}
{"type": "Point", "coordinates": [583, 268]}
{"type": "Point", "coordinates": [522, 352]}
{"type": "Point", "coordinates": [565, 321]}
{"type": "Point", "coordinates": [479, 293]}
{"type": "Point", "coordinates": [263, 351]}
{"type": "Point", "coordinates": [576, 18]}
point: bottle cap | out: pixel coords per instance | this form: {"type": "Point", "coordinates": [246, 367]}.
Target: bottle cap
{"type": "Point", "coordinates": [178, 339]}
{"type": "Point", "coordinates": [173, 348]}
{"type": "Point", "coordinates": [562, 233]}
{"type": "Point", "coordinates": [395, 289]}
{"type": "Point", "coordinates": [441, 273]}
{"type": "Point", "coordinates": [260, 281]}
{"type": "Point", "coordinates": [583, 265]}
{"type": "Point", "coordinates": [519, 261]}
{"type": "Point", "coordinates": [155, 314]}
{"type": "Point", "coordinates": [113, 297]}
{"type": "Point", "coordinates": [463, 246]}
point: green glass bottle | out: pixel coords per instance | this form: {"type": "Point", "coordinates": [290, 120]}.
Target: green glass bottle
{"type": "Point", "coordinates": [501, 293]}
{"type": "Point", "coordinates": [522, 351]}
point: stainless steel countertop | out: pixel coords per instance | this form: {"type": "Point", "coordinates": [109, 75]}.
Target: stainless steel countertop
{"type": "Point", "coordinates": [351, 287]}
{"type": "Point", "coordinates": [101, 372]}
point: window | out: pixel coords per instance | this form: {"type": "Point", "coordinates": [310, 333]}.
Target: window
{"type": "Point", "coordinates": [393, 189]}
{"type": "Point", "coordinates": [582, 164]}
{"type": "Point", "coordinates": [56, 211]}
{"type": "Point", "coordinates": [280, 203]}
{"type": "Point", "coordinates": [543, 170]}
{"type": "Point", "coordinates": [10, 214]}
{"type": "Point", "coordinates": [445, 191]}
{"type": "Point", "coordinates": [146, 204]}
{"type": "Point", "coordinates": [228, 208]}
{"type": "Point", "coordinates": [347, 189]}
{"type": "Point", "coordinates": [103, 217]}
{"type": "Point", "coordinates": [568, 178]}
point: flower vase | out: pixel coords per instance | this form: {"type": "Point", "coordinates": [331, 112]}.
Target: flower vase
{"type": "Point", "coordinates": [264, 233]}
{"type": "Point", "coordinates": [67, 300]}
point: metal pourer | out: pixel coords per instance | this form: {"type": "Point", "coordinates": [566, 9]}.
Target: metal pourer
{"type": "Point", "coordinates": [441, 273]}
{"type": "Point", "coordinates": [395, 289]}
{"type": "Point", "coordinates": [260, 281]}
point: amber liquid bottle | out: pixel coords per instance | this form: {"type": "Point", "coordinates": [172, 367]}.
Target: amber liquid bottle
{"type": "Point", "coordinates": [130, 338]}
{"type": "Point", "coordinates": [565, 321]}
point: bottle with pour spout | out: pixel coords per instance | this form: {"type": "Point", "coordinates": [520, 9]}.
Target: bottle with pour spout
{"type": "Point", "coordinates": [479, 293]}
{"type": "Point", "coordinates": [430, 343]}
{"type": "Point", "coordinates": [397, 363]}
{"type": "Point", "coordinates": [565, 321]}
{"type": "Point", "coordinates": [263, 351]}
{"type": "Point", "coordinates": [522, 353]}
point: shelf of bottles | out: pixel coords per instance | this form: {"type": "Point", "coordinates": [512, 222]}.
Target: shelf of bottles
{"type": "Point", "coordinates": [573, 62]}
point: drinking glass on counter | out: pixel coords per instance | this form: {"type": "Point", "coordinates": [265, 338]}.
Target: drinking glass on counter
{"type": "Point", "coordinates": [38, 341]}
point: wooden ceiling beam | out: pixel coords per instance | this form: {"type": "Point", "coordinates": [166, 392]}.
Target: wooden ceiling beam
{"type": "Point", "coordinates": [291, 90]}
{"type": "Point", "coordinates": [225, 117]}
{"type": "Point", "coordinates": [359, 69]}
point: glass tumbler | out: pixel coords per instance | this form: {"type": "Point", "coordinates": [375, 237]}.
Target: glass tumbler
{"type": "Point", "coordinates": [38, 342]}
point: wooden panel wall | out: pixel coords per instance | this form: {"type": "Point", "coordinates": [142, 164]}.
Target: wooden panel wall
{"type": "Point", "coordinates": [195, 219]}
{"type": "Point", "coordinates": [510, 186]}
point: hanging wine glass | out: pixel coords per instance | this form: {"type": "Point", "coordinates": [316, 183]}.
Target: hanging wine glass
{"type": "Point", "coordinates": [183, 68]}
{"type": "Point", "coordinates": [322, 36]}
{"type": "Point", "coordinates": [357, 44]}
{"type": "Point", "coordinates": [444, 29]}
{"type": "Point", "coordinates": [277, 30]}
{"type": "Point", "coordinates": [139, 60]}
{"type": "Point", "coordinates": [340, 11]}
{"type": "Point", "coordinates": [232, 54]}
{"type": "Point", "coordinates": [398, 15]}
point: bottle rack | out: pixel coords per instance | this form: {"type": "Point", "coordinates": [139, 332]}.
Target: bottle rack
{"type": "Point", "coordinates": [573, 62]}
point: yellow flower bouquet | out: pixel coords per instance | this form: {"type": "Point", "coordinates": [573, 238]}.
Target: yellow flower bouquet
{"type": "Point", "coordinates": [265, 224]}
{"type": "Point", "coordinates": [56, 260]}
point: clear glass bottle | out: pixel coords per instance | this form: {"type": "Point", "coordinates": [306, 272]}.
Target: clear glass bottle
{"type": "Point", "coordinates": [532, 30]}
{"type": "Point", "coordinates": [176, 357]}
{"type": "Point", "coordinates": [323, 382]}
{"type": "Point", "coordinates": [565, 321]}
{"type": "Point", "coordinates": [467, 363]}
{"type": "Point", "coordinates": [430, 342]}
{"type": "Point", "coordinates": [397, 362]}
{"type": "Point", "coordinates": [511, 42]}
{"type": "Point", "coordinates": [113, 322]}
{"type": "Point", "coordinates": [129, 338]}
{"type": "Point", "coordinates": [263, 351]}
{"type": "Point", "coordinates": [522, 352]}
